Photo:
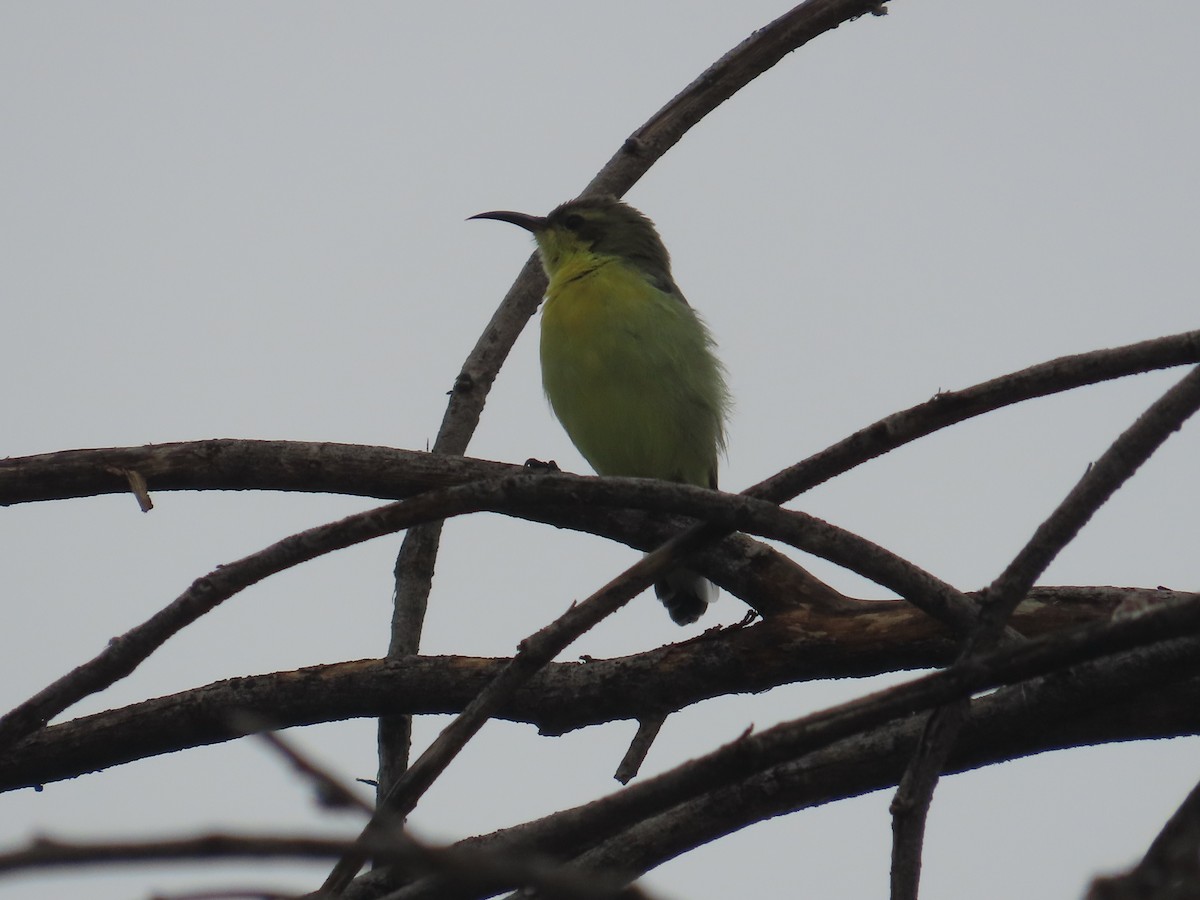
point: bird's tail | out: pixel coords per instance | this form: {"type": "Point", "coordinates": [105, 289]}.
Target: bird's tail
{"type": "Point", "coordinates": [685, 595]}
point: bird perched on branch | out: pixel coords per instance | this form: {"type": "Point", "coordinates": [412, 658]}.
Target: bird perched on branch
{"type": "Point", "coordinates": [628, 366]}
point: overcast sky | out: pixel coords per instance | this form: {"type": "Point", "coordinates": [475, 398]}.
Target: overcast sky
{"type": "Point", "coordinates": [247, 220]}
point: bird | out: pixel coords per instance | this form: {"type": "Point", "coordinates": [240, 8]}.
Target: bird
{"type": "Point", "coordinates": [629, 367]}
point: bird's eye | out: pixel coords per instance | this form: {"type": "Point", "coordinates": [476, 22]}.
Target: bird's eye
{"type": "Point", "coordinates": [574, 221]}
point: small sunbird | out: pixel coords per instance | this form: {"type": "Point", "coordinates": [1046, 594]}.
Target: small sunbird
{"type": "Point", "coordinates": [628, 366]}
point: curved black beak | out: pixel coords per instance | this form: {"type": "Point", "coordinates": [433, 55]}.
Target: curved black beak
{"type": "Point", "coordinates": [521, 220]}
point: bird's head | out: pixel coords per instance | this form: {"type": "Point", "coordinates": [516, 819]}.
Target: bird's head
{"type": "Point", "coordinates": [595, 227]}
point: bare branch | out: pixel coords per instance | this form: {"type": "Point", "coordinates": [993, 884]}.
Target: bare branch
{"type": "Point", "coordinates": [870, 637]}
{"type": "Point", "coordinates": [460, 867]}
{"type": "Point", "coordinates": [123, 654]}
{"type": "Point", "coordinates": [950, 407]}
{"type": "Point", "coordinates": [48, 852]}
{"type": "Point", "coordinates": [720, 81]}
{"type": "Point", "coordinates": [910, 804]}
{"type": "Point", "coordinates": [1115, 466]}
{"type": "Point", "coordinates": [725, 513]}
{"type": "Point", "coordinates": [240, 465]}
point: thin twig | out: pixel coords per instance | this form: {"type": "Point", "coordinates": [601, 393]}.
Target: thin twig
{"type": "Point", "coordinates": [758, 53]}
{"type": "Point", "coordinates": [951, 407]}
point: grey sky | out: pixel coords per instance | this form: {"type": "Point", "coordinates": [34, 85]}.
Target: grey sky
{"type": "Point", "coordinates": [247, 220]}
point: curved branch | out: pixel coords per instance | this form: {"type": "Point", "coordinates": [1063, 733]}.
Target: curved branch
{"type": "Point", "coordinates": [123, 654]}
{"type": "Point", "coordinates": [951, 407]}
{"type": "Point", "coordinates": [390, 474]}
{"type": "Point", "coordinates": [739, 513]}
{"type": "Point", "coordinates": [383, 473]}
{"type": "Point", "coordinates": [757, 54]}
{"type": "Point", "coordinates": [803, 645]}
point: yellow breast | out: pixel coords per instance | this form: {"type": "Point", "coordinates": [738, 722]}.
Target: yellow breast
{"type": "Point", "coordinates": [629, 373]}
